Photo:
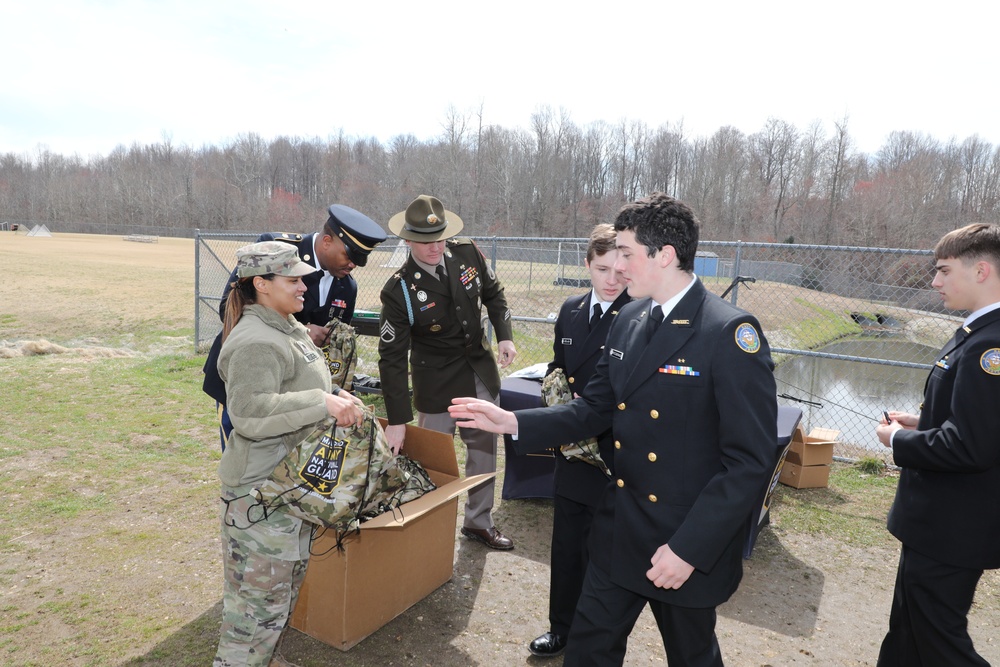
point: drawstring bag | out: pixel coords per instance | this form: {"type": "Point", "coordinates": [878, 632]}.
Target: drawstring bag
{"type": "Point", "coordinates": [556, 391]}
{"type": "Point", "coordinates": [340, 350]}
{"type": "Point", "coordinates": [337, 477]}
{"type": "Point", "coordinates": [400, 481]}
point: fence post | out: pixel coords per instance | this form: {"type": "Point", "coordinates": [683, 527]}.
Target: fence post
{"type": "Point", "coordinates": [736, 271]}
{"type": "Point", "coordinates": [197, 287]}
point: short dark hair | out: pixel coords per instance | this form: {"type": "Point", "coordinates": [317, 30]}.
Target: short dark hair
{"type": "Point", "coordinates": [973, 242]}
{"type": "Point", "coordinates": [602, 241]}
{"type": "Point", "coordinates": [659, 220]}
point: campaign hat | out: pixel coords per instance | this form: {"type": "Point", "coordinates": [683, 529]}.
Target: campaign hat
{"type": "Point", "coordinates": [425, 220]}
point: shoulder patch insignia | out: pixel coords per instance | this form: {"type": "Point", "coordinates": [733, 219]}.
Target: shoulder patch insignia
{"type": "Point", "coordinates": [990, 361]}
{"type": "Point", "coordinates": [747, 338]}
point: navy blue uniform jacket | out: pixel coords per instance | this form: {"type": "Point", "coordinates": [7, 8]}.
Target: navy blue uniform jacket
{"type": "Point", "coordinates": [576, 350]}
{"type": "Point", "coordinates": [947, 502]}
{"type": "Point", "coordinates": [694, 419]}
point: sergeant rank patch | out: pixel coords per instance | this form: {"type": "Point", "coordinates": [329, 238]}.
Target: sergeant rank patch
{"type": "Point", "coordinates": [388, 332]}
{"type": "Point", "coordinates": [747, 338]}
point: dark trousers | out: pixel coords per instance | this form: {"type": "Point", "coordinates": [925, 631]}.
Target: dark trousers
{"type": "Point", "coordinates": [570, 527]}
{"type": "Point", "coordinates": [928, 624]}
{"type": "Point", "coordinates": [607, 613]}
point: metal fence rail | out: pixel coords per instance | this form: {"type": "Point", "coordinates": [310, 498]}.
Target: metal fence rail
{"type": "Point", "coordinates": [851, 328]}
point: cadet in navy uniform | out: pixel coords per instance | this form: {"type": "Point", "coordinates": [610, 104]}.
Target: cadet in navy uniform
{"type": "Point", "coordinates": [945, 512]}
{"type": "Point", "coordinates": [580, 331]}
{"type": "Point", "coordinates": [692, 408]}
{"type": "Point", "coordinates": [436, 320]}
{"type": "Point", "coordinates": [344, 242]}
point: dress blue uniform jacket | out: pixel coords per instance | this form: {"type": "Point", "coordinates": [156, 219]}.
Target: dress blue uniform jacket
{"type": "Point", "coordinates": [576, 350]}
{"type": "Point", "coordinates": [339, 303]}
{"type": "Point", "coordinates": [694, 418]}
{"type": "Point", "coordinates": [947, 502]}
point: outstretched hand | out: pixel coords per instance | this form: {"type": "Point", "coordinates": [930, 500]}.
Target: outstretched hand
{"type": "Point", "coordinates": [484, 415]}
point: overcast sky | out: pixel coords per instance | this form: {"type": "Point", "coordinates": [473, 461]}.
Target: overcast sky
{"type": "Point", "coordinates": [83, 76]}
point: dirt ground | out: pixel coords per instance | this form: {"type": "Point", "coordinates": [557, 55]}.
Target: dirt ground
{"type": "Point", "coordinates": [805, 600]}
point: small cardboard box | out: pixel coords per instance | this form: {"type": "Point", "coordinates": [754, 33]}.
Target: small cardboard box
{"type": "Point", "coordinates": [804, 477]}
{"type": "Point", "coordinates": [394, 562]}
{"type": "Point", "coordinates": [814, 449]}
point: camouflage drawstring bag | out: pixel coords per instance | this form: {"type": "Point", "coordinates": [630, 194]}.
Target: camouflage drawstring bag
{"type": "Point", "coordinates": [335, 473]}
{"type": "Point", "coordinates": [340, 351]}
{"type": "Point", "coordinates": [400, 481]}
{"type": "Point", "coordinates": [556, 391]}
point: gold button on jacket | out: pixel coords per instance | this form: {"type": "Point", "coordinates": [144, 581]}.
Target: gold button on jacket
{"type": "Point", "coordinates": [652, 456]}
{"type": "Point", "coordinates": [655, 414]}
{"type": "Point", "coordinates": [621, 483]}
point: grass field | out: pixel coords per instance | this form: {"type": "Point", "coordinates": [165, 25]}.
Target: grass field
{"type": "Point", "coordinates": [109, 550]}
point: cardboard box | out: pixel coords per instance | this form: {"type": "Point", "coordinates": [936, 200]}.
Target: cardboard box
{"type": "Point", "coordinates": [813, 449]}
{"type": "Point", "coordinates": [394, 562]}
{"type": "Point", "coordinates": [804, 477]}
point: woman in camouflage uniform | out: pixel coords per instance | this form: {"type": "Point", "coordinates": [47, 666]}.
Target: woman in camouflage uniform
{"type": "Point", "coordinates": [277, 388]}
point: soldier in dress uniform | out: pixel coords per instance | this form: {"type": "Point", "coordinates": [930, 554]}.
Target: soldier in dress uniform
{"type": "Point", "coordinates": [945, 512]}
{"type": "Point", "coordinates": [692, 408]}
{"type": "Point", "coordinates": [580, 331]}
{"type": "Point", "coordinates": [343, 243]}
{"type": "Point", "coordinates": [432, 313]}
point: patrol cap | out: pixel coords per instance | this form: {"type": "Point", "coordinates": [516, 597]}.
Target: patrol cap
{"type": "Point", "coordinates": [425, 220]}
{"type": "Point", "coordinates": [359, 233]}
{"type": "Point", "coordinates": [260, 259]}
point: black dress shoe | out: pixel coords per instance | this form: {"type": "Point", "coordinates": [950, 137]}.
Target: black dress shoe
{"type": "Point", "coordinates": [548, 645]}
{"type": "Point", "coordinates": [491, 537]}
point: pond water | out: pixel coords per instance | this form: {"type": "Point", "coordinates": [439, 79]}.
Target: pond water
{"type": "Point", "coordinates": [852, 394]}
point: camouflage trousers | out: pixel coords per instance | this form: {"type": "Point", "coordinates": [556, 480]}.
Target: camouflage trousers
{"type": "Point", "coordinates": [264, 563]}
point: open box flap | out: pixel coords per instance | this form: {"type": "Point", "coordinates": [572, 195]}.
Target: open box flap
{"type": "Point", "coordinates": [425, 503]}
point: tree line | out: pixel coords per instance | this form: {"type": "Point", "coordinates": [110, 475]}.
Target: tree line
{"type": "Point", "coordinates": [553, 178]}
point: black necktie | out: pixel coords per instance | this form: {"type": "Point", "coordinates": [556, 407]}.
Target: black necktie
{"type": "Point", "coordinates": [442, 276]}
{"type": "Point", "coordinates": [596, 317]}
{"type": "Point", "coordinates": [655, 317]}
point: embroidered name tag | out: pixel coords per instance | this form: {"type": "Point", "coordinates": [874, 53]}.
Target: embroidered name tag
{"type": "Point", "coordinates": [566, 341]}
{"type": "Point", "coordinates": [309, 354]}
{"type": "Point", "coordinates": [617, 354]}
{"type": "Point", "coordinates": [670, 369]}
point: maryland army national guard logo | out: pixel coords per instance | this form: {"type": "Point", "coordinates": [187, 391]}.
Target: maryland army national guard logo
{"type": "Point", "coordinates": [321, 471]}
{"type": "Point", "coordinates": [990, 361]}
{"type": "Point", "coordinates": [747, 338]}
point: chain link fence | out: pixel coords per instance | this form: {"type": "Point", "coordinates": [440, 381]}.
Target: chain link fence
{"type": "Point", "coordinates": [853, 330]}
